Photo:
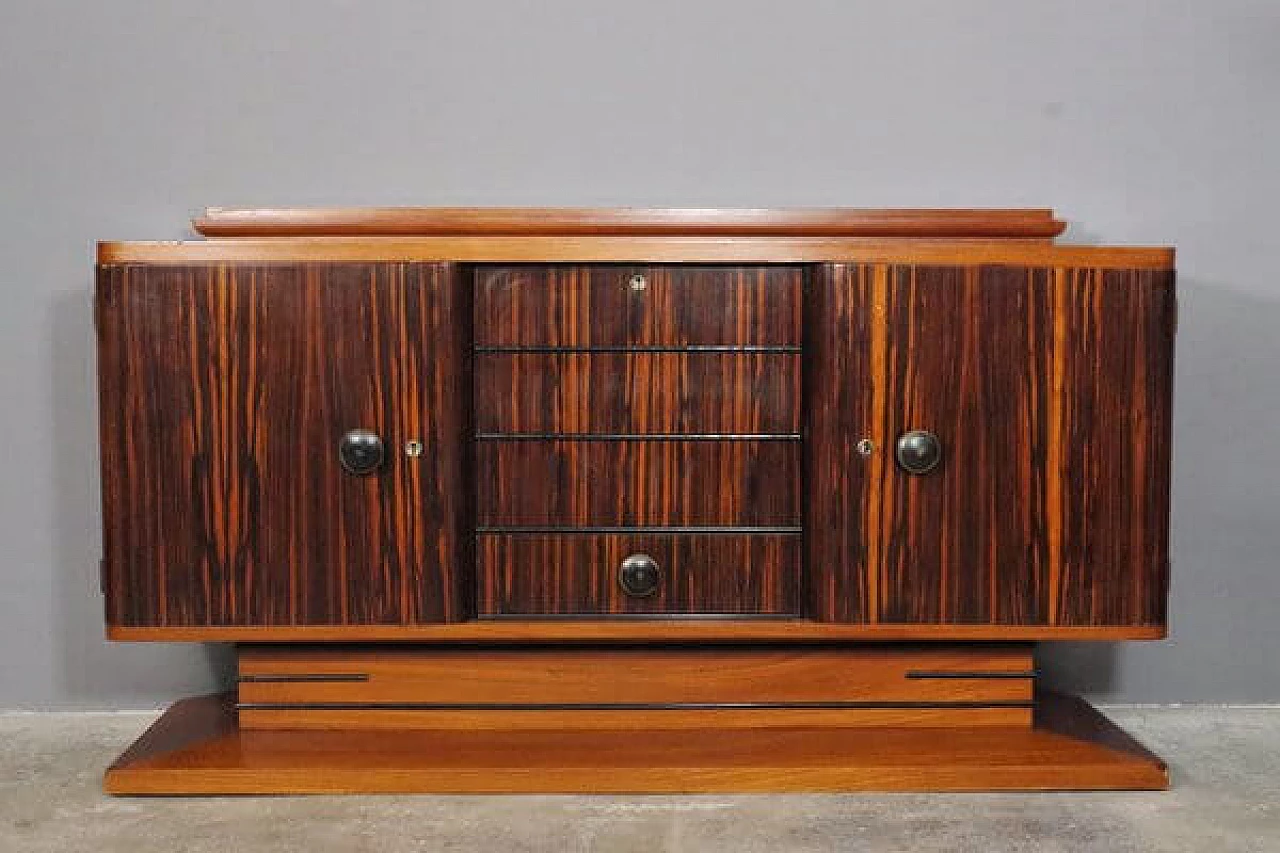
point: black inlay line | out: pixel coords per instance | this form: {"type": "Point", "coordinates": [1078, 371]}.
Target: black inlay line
{"type": "Point", "coordinates": [947, 673]}
{"type": "Point", "coordinates": [719, 530]}
{"type": "Point", "coordinates": [318, 676]}
{"type": "Point", "coordinates": [619, 706]}
{"type": "Point", "coordinates": [691, 348]}
{"type": "Point", "coordinates": [627, 436]}
{"type": "Point", "coordinates": [656, 616]}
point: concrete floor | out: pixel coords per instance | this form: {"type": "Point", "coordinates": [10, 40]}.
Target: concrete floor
{"type": "Point", "coordinates": [1225, 798]}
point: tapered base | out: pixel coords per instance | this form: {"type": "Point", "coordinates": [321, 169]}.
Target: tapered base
{"type": "Point", "coordinates": [197, 747]}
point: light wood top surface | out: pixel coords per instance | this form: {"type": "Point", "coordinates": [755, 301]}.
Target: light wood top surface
{"type": "Point", "coordinates": [631, 235]}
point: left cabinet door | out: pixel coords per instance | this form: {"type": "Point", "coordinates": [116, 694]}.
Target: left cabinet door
{"type": "Point", "coordinates": [226, 392]}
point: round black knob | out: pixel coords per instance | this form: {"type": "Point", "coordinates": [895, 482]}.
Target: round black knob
{"type": "Point", "coordinates": [639, 575]}
{"type": "Point", "coordinates": [919, 452]}
{"type": "Point", "coordinates": [360, 452]}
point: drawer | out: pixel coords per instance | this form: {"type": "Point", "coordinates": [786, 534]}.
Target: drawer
{"type": "Point", "coordinates": [589, 306]}
{"type": "Point", "coordinates": [590, 483]}
{"type": "Point", "coordinates": [638, 393]}
{"type": "Point", "coordinates": [568, 574]}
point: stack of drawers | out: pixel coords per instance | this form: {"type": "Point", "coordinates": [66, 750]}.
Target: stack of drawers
{"type": "Point", "coordinates": [637, 439]}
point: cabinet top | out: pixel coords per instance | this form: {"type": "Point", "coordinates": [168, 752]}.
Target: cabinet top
{"type": "Point", "coordinates": [636, 235]}
{"type": "Point", "coordinates": [621, 221]}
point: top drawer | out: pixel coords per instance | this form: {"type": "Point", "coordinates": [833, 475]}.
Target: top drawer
{"type": "Point", "coordinates": [624, 306]}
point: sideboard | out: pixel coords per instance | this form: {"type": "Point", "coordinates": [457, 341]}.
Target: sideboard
{"type": "Point", "coordinates": [651, 500]}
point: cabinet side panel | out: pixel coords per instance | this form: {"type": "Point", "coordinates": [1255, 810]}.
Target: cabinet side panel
{"type": "Point", "coordinates": [1116, 366]}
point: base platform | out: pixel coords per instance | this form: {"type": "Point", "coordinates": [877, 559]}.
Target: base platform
{"type": "Point", "coordinates": [198, 747]}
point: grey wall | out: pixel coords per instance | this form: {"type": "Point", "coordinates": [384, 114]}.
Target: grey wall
{"type": "Point", "coordinates": [1150, 122]}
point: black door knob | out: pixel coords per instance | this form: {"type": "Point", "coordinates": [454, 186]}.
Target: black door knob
{"type": "Point", "coordinates": [360, 452]}
{"type": "Point", "coordinates": [639, 575]}
{"type": "Point", "coordinates": [919, 452]}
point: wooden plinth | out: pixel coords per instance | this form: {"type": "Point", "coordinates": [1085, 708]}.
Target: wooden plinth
{"type": "Point", "coordinates": [198, 748]}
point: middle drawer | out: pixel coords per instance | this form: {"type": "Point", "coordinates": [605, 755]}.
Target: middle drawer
{"type": "Point", "coordinates": [638, 393]}
{"type": "Point", "coordinates": [637, 483]}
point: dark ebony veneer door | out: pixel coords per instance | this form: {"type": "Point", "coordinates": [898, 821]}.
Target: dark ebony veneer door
{"type": "Point", "coordinates": [1049, 390]}
{"type": "Point", "coordinates": [225, 391]}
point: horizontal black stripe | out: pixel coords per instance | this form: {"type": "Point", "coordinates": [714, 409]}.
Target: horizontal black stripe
{"type": "Point", "coordinates": [623, 436]}
{"type": "Point", "coordinates": [719, 530]}
{"type": "Point", "coordinates": [691, 348]}
{"type": "Point", "coordinates": [924, 673]}
{"type": "Point", "coordinates": [622, 706]}
{"type": "Point", "coordinates": [633, 617]}
{"type": "Point", "coordinates": [306, 677]}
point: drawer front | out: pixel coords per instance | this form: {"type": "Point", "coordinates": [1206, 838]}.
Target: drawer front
{"type": "Point", "coordinates": [524, 483]}
{"type": "Point", "coordinates": [638, 306]}
{"type": "Point", "coordinates": [569, 574]}
{"type": "Point", "coordinates": [638, 393]}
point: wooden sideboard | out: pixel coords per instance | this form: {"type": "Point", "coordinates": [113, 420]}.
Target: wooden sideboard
{"type": "Point", "coordinates": [633, 500]}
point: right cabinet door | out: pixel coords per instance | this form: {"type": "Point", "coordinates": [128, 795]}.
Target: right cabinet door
{"type": "Point", "coordinates": [1048, 393]}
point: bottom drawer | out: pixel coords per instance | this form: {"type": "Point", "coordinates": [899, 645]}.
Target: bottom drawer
{"type": "Point", "coordinates": [592, 574]}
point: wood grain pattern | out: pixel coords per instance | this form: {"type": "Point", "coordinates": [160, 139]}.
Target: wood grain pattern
{"type": "Point", "coordinates": [637, 250]}
{"type": "Point", "coordinates": [1049, 390]}
{"type": "Point", "coordinates": [638, 393]}
{"type": "Point", "coordinates": [634, 676]}
{"type": "Point", "coordinates": [195, 748]}
{"type": "Point", "coordinates": [578, 574]}
{"type": "Point", "coordinates": [816, 719]}
{"type": "Point", "coordinates": [607, 630]}
{"type": "Point", "coordinates": [637, 483]}
{"type": "Point", "coordinates": [595, 306]}
{"type": "Point", "coordinates": [1026, 223]}
{"type": "Point", "coordinates": [224, 393]}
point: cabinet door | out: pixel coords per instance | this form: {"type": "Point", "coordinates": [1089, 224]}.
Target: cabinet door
{"type": "Point", "coordinates": [225, 393]}
{"type": "Point", "coordinates": [1049, 393]}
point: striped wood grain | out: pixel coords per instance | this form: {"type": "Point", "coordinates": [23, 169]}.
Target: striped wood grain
{"type": "Point", "coordinates": [578, 574]}
{"type": "Point", "coordinates": [1050, 392]}
{"type": "Point", "coordinates": [596, 305]}
{"type": "Point", "coordinates": [224, 393]}
{"type": "Point", "coordinates": [638, 393]}
{"type": "Point", "coordinates": [640, 483]}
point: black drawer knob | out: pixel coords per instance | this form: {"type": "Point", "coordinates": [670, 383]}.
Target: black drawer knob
{"type": "Point", "coordinates": [639, 576]}
{"type": "Point", "coordinates": [919, 452]}
{"type": "Point", "coordinates": [360, 452]}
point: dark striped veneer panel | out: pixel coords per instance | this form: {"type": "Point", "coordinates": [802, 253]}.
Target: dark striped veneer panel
{"type": "Point", "coordinates": [578, 574]}
{"type": "Point", "coordinates": [224, 393]}
{"type": "Point", "coordinates": [597, 306]}
{"type": "Point", "coordinates": [1050, 392]}
{"type": "Point", "coordinates": [637, 483]}
{"type": "Point", "coordinates": [665, 393]}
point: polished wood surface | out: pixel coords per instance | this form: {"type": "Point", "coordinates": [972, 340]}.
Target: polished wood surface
{"type": "Point", "coordinates": [224, 393]}
{"type": "Point", "coordinates": [692, 720]}
{"type": "Point", "coordinates": [634, 250]}
{"type": "Point", "coordinates": [638, 393]}
{"type": "Point", "coordinates": [634, 675]}
{"type": "Point", "coordinates": [196, 748]}
{"type": "Point", "coordinates": [835, 221]}
{"type": "Point", "coordinates": [702, 630]}
{"type": "Point", "coordinates": [1049, 390]}
{"type": "Point", "coordinates": [573, 306]}
{"type": "Point", "coordinates": [576, 574]}
{"type": "Point", "coordinates": [637, 484]}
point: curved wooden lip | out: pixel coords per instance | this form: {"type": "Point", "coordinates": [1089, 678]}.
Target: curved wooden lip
{"type": "Point", "coordinates": [1030, 223]}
